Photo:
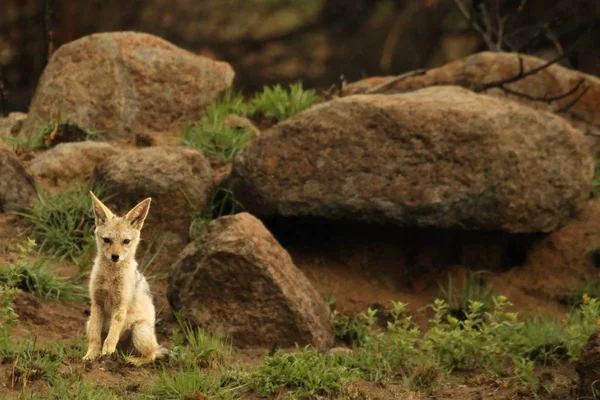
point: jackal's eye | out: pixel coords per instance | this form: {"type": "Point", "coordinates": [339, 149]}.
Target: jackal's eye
{"type": "Point", "coordinates": [106, 240]}
{"type": "Point", "coordinates": [126, 241]}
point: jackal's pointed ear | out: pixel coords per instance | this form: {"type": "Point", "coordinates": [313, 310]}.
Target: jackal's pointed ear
{"type": "Point", "coordinates": [101, 212]}
{"type": "Point", "coordinates": [138, 214]}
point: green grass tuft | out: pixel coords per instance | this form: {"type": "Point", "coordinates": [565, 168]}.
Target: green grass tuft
{"type": "Point", "coordinates": [34, 277]}
{"type": "Point", "coordinates": [188, 384]}
{"type": "Point", "coordinates": [75, 388]}
{"type": "Point", "coordinates": [223, 202]}
{"type": "Point", "coordinates": [424, 375]}
{"type": "Point", "coordinates": [482, 340]}
{"type": "Point", "coordinates": [72, 350]}
{"type": "Point", "coordinates": [30, 363]}
{"type": "Point", "coordinates": [212, 136]}
{"type": "Point", "coordinates": [64, 223]}
{"type": "Point", "coordinates": [386, 353]}
{"type": "Point", "coordinates": [524, 372]}
{"type": "Point", "coordinates": [37, 139]}
{"type": "Point", "coordinates": [276, 103]}
{"type": "Point", "coordinates": [581, 322]}
{"type": "Point", "coordinates": [591, 288]}
{"type": "Point", "coordinates": [33, 142]}
{"type": "Point", "coordinates": [194, 346]}
{"type": "Point", "coordinates": [8, 316]}
{"type": "Point", "coordinates": [154, 248]}
{"type": "Point", "coordinates": [543, 340]}
{"type": "Point", "coordinates": [349, 329]}
{"type": "Point", "coordinates": [473, 289]}
{"type": "Point", "coordinates": [305, 373]}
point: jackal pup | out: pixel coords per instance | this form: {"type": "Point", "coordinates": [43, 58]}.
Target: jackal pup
{"type": "Point", "coordinates": [121, 299]}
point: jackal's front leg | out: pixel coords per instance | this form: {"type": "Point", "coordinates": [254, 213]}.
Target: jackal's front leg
{"type": "Point", "coordinates": [114, 331]}
{"type": "Point", "coordinates": [94, 332]}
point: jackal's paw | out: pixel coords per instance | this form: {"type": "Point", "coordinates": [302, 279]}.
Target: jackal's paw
{"type": "Point", "coordinates": [91, 354]}
{"type": "Point", "coordinates": [108, 348]}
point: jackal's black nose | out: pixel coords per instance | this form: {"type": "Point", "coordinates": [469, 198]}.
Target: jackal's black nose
{"type": "Point", "coordinates": [114, 257]}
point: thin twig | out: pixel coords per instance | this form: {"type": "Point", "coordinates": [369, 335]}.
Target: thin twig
{"type": "Point", "coordinates": [490, 30]}
{"type": "Point", "coordinates": [500, 34]}
{"type": "Point", "coordinates": [570, 104]}
{"type": "Point", "coordinates": [474, 24]}
{"type": "Point", "coordinates": [500, 21]}
{"type": "Point", "coordinates": [521, 66]}
{"type": "Point", "coordinates": [487, 23]}
{"type": "Point", "coordinates": [546, 99]}
{"type": "Point", "coordinates": [388, 83]}
{"type": "Point", "coordinates": [501, 84]}
{"type": "Point", "coordinates": [330, 92]}
{"type": "Point", "coordinates": [14, 368]}
{"type": "Point", "coordinates": [522, 74]}
{"type": "Point", "coordinates": [526, 29]}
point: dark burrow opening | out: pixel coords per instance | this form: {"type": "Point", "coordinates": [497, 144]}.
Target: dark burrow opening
{"type": "Point", "coordinates": [409, 261]}
{"type": "Point", "coordinates": [416, 248]}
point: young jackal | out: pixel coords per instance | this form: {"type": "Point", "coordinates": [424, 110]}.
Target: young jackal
{"type": "Point", "coordinates": [121, 299]}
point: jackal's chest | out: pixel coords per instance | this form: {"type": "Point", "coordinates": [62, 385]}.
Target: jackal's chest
{"type": "Point", "coordinates": [108, 293]}
{"type": "Point", "coordinates": [106, 299]}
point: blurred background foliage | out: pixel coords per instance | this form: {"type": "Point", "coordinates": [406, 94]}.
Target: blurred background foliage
{"type": "Point", "coordinates": [320, 42]}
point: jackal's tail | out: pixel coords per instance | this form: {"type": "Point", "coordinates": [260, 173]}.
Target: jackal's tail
{"type": "Point", "coordinates": [160, 353]}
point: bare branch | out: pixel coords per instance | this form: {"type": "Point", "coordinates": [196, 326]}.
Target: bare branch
{"type": "Point", "coordinates": [546, 99]}
{"type": "Point", "coordinates": [501, 84]}
{"type": "Point", "coordinates": [522, 74]}
{"type": "Point", "coordinates": [330, 93]}
{"type": "Point", "coordinates": [500, 21]}
{"type": "Point", "coordinates": [570, 104]}
{"type": "Point", "coordinates": [500, 34]}
{"type": "Point", "coordinates": [487, 23]}
{"type": "Point", "coordinates": [474, 24]}
{"type": "Point", "coordinates": [381, 87]}
{"type": "Point", "coordinates": [521, 66]}
{"type": "Point", "coordinates": [490, 31]}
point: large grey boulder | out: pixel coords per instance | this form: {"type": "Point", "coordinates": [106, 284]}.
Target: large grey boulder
{"type": "Point", "coordinates": [440, 157]}
{"type": "Point", "coordinates": [123, 83]}
{"type": "Point", "coordinates": [179, 180]}
{"type": "Point", "coordinates": [238, 280]}
{"type": "Point", "coordinates": [69, 162]}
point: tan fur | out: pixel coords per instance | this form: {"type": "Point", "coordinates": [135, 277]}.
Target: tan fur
{"type": "Point", "coordinates": [121, 299]}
